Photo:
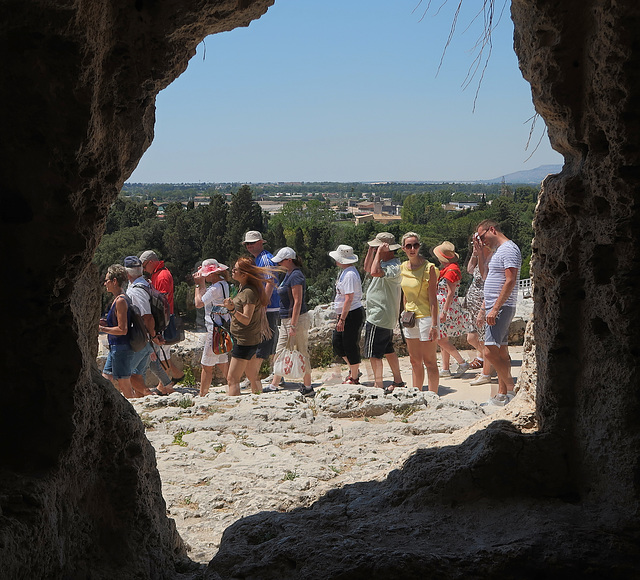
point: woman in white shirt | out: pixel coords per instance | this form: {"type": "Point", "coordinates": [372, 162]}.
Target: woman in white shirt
{"type": "Point", "coordinates": [216, 274]}
{"type": "Point", "coordinates": [349, 311]}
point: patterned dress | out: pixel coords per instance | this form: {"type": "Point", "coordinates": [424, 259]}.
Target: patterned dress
{"type": "Point", "coordinates": [474, 300]}
{"type": "Point", "coordinates": [458, 321]}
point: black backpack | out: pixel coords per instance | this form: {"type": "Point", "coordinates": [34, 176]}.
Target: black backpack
{"type": "Point", "coordinates": [138, 334]}
{"type": "Point", "coordinates": [159, 306]}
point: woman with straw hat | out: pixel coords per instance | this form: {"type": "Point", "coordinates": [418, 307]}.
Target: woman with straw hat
{"type": "Point", "coordinates": [349, 311]}
{"type": "Point", "coordinates": [454, 321]}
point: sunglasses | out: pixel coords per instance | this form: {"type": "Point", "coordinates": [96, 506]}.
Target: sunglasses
{"type": "Point", "coordinates": [412, 246]}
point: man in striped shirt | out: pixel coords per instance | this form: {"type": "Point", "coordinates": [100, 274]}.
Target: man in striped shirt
{"type": "Point", "coordinates": [500, 299]}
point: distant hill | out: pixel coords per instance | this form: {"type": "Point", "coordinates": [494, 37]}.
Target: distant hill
{"type": "Point", "coordinates": [530, 176]}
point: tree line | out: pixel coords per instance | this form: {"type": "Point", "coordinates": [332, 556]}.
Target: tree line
{"type": "Point", "coordinates": [184, 236]}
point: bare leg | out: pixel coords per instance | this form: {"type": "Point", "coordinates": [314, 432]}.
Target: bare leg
{"type": "Point", "coordinates": [224, 369]}
{"type": "Point", "coordinates": [251, 371]}
{"type": "Point", "coordinates": [394, 365]}
{"type": "Point", "coordinates": [140, 388]}
{"type": "Point", "coordinates": [446, 360]}
{"type": "Point", "coordinates": [237, 367]}
{"type": "Point", "coordinates": [430, 360]}
{"type": "Point", "coordinates": [499, 358]}
{"type": "Point", "coordinates": [206, 376]}
{"type": "Point", "coordinates": [474, 340]}
{"type": "Point", "coordinates": [416, 359]}
{"type": "Point", "coordinates": [448, 348]}
{"type": "Point", "coordinates": [376, 365]}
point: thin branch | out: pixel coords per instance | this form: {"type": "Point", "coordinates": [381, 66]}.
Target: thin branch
{"type": "Point", "coordinates": [531, 130]}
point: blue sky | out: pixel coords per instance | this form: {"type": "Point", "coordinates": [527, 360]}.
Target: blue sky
{"type": "Point", "coordinates": [347, 90]}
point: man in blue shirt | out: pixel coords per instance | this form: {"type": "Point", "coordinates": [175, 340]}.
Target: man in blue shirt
{"type": "Point", "coordinates": [254, 243]}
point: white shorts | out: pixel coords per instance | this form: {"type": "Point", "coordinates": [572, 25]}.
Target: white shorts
{"type": "Point", "coordinates": [209, 358]}
{"type": "Point", "coordinates": [420, 330]}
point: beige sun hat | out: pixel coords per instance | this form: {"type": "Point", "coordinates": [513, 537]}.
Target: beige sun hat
{"type": "Point", "coordinates": [385, 238]}
{"type": "Point", "coordinates": [344, 255]}
{"type": "Point", "coordinates": [446, 252]}
{"type": "Point", "coordinates": [252, 236]}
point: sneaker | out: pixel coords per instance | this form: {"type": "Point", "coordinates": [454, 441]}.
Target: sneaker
{"type": "Point", "coordinates": [497, 401]}
{"type": "Point", "coordinates": [510, 396]}
{"type": "Point", "coordinates": [463, 367]}
{"type": "Point", "coordinates": [270, 389]}
{"type": "Point", "coordinates": [245, 384]}
{"type": "Point", "coordinates": [269, 380]}
{"type": "Point", "coordinates": [445, 373]}
{"type": "Point", "coordinates": [306, 391]}
{"type": "Point", "coordinates": [480, 380]}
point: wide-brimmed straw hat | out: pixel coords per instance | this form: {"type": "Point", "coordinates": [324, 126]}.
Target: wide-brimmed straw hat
{"type": "Point", "coordinates": [385, 238]}
{"type": "Point", "coordinates": [344, 255]}
{"type": "Point", "coordinates": [446, 252]}
{"type": "Point", "coordinates": [210, 266]}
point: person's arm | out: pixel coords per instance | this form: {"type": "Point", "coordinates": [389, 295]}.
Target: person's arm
{"type": "Point", "coordinates": [478, 250]}
{"type": "Point", "coordinates": [269, 287]}
{"type": "Point", "coordinates": [296, 293]}
{"type": "Point", "coordinates": [434, 333]}
{"type": "Point", "coordinates": [201, 288]}
{"type": "Point", "coordinates": [368, 259]}
{"type": "Point", "coordinates": [510, 275]}
{"type": "Point", "coordinates": [473, 262]}
{"type": "Point", "coordinates": [348, 299]}
{"type": "Point", "coordinates": [242, 312]}
{"type": "Point", "coordinates": [121, 318]}
{"type": "Point", "coordinates": [376, 270]}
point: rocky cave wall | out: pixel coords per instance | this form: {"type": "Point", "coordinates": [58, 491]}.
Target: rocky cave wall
{"type": "Point", "coordinates": [79, 492]}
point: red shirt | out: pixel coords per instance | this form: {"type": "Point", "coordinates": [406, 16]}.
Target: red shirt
{"type": "Point", "coordinates": [162, 280]}
{"type": "Point", "coordinates": [451, 272]}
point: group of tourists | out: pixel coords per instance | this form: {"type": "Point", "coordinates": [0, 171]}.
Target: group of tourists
{"type": "Point", "coordinates": [424, 298]}
{"type": "Point", "coordinates": [266, 312]}
{"type": "Point", "coordinates": [125, 366]}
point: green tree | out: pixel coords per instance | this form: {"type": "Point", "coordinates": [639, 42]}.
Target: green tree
{"type": "Point", "coordinates": [244, 215]}
{"type": "Point", "coordinates": [213, 236]}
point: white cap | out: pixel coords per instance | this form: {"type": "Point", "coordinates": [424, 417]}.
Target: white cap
{"type": "Point", "coordinates": [285, 253]}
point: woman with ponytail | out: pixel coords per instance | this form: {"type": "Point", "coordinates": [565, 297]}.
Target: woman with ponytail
{"type": "Point", "coordinates": [249, 325]}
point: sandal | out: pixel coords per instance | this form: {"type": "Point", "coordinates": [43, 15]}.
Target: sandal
{"type": "Point", "coordinates": [348, 379]}
{"type": "Point", "coordinates": [476, 363]}
{"type": "Point", "coordinates": [388, 390]}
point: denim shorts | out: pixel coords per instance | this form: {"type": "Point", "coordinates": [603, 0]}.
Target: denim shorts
{"type": "Point", "coordinates": [498, 334]}
{"type": "Point", "coordinates": [118, 363]}
{"type": "Point", "coordinates": [140, 361]}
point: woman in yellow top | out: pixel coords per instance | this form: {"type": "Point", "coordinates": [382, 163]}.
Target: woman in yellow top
{"type": "Point", "coordinates": [420, 288]}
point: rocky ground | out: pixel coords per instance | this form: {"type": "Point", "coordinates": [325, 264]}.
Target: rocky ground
{"type": "Point", "coordinates": [223, 458]}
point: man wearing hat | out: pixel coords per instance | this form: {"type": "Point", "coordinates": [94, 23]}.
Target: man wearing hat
{"type": "Point", "coordinates": [140, 299]}
{"type": "Point", "coordinates": [383, 307]}
{"type": "Point", "coordinates": [254, 243]}
{"type": "Point", "coordinates": [162, 281]}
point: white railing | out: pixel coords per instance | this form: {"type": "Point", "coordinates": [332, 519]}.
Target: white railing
{"type": "Point", "coordinates": [524, 286]}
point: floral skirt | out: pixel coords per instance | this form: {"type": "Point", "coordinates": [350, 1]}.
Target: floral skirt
{"type": "Point", "coordinates": [458, 320]}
